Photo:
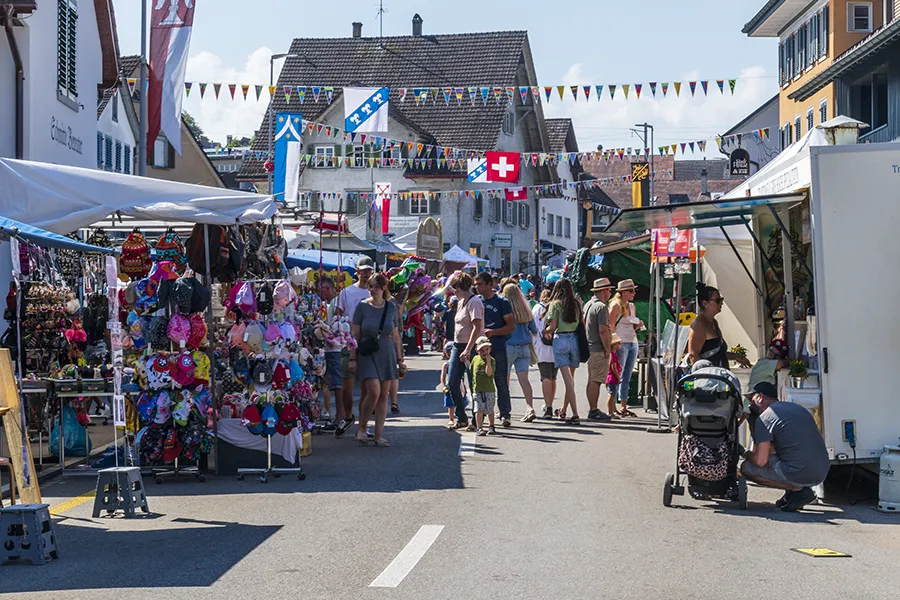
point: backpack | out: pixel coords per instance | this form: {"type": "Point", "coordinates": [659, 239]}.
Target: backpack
{"type": "Point", "coordinates": [237, 257]}
{"type": "Point", "coordinates": [169, 247]}
{"type": "Point", "coordinates": [135, 260]}
{"type": "Point", "coordinates": [219, 251]}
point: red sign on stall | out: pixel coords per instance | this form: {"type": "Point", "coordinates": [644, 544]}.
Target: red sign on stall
{"type": "Point", "coordinates": [672, 243]}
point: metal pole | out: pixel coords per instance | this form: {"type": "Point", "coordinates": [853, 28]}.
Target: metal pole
{"type": "Point", "coordinates": [652, 172]}
{"type": "Point", "coordinates": [271, 138]}
{"type": "Point", "coordinates": [787, 265]}
{"type": "Point", "coordinates": [675, 356]}
{"type": "Point", "coordinates": [142, 121]}
{"type": "Point", "coordinates": [209, 347]}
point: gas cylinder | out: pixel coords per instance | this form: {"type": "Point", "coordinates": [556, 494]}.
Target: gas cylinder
{"type": "Point", "coordinates": [889, 480]}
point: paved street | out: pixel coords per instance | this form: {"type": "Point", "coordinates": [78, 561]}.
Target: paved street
{"type": "Point", "coordinates": [542, 511]}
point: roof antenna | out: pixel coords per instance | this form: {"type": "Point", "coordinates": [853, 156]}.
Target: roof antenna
{"type": "Point", "coordinates": [380, 17]}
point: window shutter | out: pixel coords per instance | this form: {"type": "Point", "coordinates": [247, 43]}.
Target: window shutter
{"type": "Point", "coordinates": [108, 151]}
{"type": "Point", "coordinates": [402, 205]}
{"type": "Point", "coordinates": [781, 64]}
{"type": "Point", "coordinates": [72, 43]}
{"type": "Point", "coordinates": [118, 156]}
{"type": "Point", "coordinates": [170, 159]}
{"type": "Point", "coordinates": [127, 169]}
{"type": "Point", "coordinates": [99, 150]}
{"type": "Point", "coordinates": [824, 41]}
{"type": "Point", "coordinates": [315, 203]}
{"type": "Point", "coordinates": [479, 205]}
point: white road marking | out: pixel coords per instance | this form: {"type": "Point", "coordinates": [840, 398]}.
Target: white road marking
{"type": "Point", "coordinates": [409, 557]}
{"type": "Point", "coordinates": [467, 444]}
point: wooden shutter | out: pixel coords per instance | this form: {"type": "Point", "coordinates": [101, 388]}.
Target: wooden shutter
{"type": "Point", "coordinates": [479, 205]}
{"type": "Point", "coordinates": [170, 159]}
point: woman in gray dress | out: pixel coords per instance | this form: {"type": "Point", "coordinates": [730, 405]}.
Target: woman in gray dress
{"type": "Point", "coordinates": [377, 370]}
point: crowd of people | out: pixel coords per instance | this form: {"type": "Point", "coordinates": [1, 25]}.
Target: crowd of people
{"type": "Point", "coordinates": [491, 327]}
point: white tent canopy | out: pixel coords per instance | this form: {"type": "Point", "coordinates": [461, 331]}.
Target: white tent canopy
{"type": "Point", "coordinates": [457, 255]}
{"type": "Point", "coordinates": [63, 199]}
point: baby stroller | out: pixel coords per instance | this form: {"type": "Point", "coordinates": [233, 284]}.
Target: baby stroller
{"type": "Point", "coordinates": [708, 404]}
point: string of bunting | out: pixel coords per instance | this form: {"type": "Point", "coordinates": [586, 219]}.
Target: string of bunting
{"type": "Point", "coordinates": [428, 156]}
{"type": "Point", "coordinates": [470, 95]}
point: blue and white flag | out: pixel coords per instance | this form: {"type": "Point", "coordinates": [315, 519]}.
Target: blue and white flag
{"type": "Point", "coordinates": [366, 110]}
{"type": "Point", "coordinates": [288, 146]}
{"type": "Point", "coordinates": [478, 170]}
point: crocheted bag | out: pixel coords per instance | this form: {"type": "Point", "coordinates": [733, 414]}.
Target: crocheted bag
{"type": "Point", "coordinates": [135, 260]}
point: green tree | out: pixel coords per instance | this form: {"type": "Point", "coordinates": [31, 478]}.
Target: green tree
{"type": "Point", "coordinates": [193, 126]}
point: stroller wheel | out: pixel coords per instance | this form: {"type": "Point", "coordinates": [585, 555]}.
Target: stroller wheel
{"type": "Point", "coordinates": [742, 493]}
{"type": "Point", "coordinates": [667, 490]}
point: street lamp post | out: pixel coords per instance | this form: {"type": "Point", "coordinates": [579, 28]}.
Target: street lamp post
{"type": "Point", "coordinates": [272, 60]}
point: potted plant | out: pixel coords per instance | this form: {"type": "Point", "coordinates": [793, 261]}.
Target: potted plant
{"type": "Point", "coordinates": [798, 373]}
{"type": "Point", "coordinates": [739, 351]}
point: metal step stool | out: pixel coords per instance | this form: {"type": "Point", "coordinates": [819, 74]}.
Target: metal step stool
{"type": "Point", "coordinates": [27, 532]}
{"type": "Point", "coordinates": [120, 488]}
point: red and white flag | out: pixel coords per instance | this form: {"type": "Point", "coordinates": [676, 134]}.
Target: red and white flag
{"type": "Point", "coordinates": [383, 199]}
{"type": "Point", "coordinates": [503, 166]}
{"type": "Point", "coordinates": [170, 38]}
{"type": "Point", "coordinates": [517, 193]}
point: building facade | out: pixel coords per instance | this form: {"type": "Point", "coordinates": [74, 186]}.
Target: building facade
{"type": "Point", "coordinates": [761, 149]}
{"type": "Point", "coordinates": [559, 223]}
{"type": "Point", "coordinates": [341, 168]}
{"type": "Point", "coordinates": [117, 131]}
{"type": "Point", "coordinates": [69, 55]}
{"type": "Point", "coordinates": [811, 36]}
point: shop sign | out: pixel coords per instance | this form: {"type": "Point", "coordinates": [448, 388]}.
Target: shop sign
{"type": "Point", "coordinates": [430, 240]}
{"type": "Point", "coordinates": [672, 243]}
{"type": "Point", "coordinates": [64, 137]}
{"type": "Point", "coordinates": [397, 223]}
{"type": "Point", "coordinates": [502, 240]}
{"type": "Point", "coordinates": [739, 162]}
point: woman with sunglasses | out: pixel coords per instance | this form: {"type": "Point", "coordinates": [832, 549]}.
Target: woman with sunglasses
{"type": "Point", "coordinates": [705, 341]}
{"type": "Point", "coordinates": [376, 319]}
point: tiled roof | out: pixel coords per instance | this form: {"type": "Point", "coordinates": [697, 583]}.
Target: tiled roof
{"type": "Point", "coordinates": [690, 170]}
{"type": "Point", "coordinates": [127, 66]}
{"type": "Point", "coordinates": [428, 61]}
{"type": "Point", "coordinates": [557, 132]}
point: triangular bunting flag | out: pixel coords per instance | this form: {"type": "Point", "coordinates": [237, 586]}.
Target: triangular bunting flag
{"type": "Point", "coordinates": [612, 92]}
{"type": "Point", "coordinates": [435, 92]}
{"type": "Point", "coordinates": [329, 94]}
{"type": "Point", "coordinates": [244, 89]}
{"type": "Point", "coordinates": [511, 94]}
{"type": "Point", "coordinates": [547, 92]}
{"type": "Point", "coordinates": [625, 88]}
{"type": "Point", "coordinates": [402, 94]}
{"type": "Point", "coordinates": [702, 145]}
{"type": "Point", "coordinates": [678, 88]}
{"type": "Point", "coordinates": [217, 87]}
{"type": "Point", "coordinates": [637, 89]}
{"type": "Point", "coordinates": [485, 93]}
{"type": "Point", "coordinates": [498, 94]}
{"type": "Point", "coordinates": [448, 93]}
{"type": "Point", "coordinates": [705, 85]}
{"type": "Point", "coordinates": [653, 88]}
{"type": "Point", "coordinates": [319, 128]}
{"type": "Point", "coordinates": [187, 88]}
{"type": "Point", "coordinates": [682, 147]}
{"type": "Point", "coordinates": [693, 85]}
{"type": "Point", "coordinates": [599, 89]}
{"type": "Point", "coordinates": [561, 90]}
{"type": "Point", "coordinates": [523, 93]}
{"type": "Point", "coordinates": [691, 145]}
{"type": "Point", "coordinates": [674, 149]}
{"type": "Point", "coordinates": [459, 96]}
{"type": "Point", "coordinates": [259, 90]}
{"type": "Point", "coordinates": [232, 87]}
{"type": "Point", "coordinates": [535, 94]}
{"type": "Point", "coordinates": [316, 92]}
{"type": "Point", "coordinates": [731, 84]}
{"type": "Point", "coordinates": [473, 94]}
{"type": "Point", "coordinates": [721, 84]}
{"type": "Point", "coordinates": [301, 93]}
{"type": "Point", "coordinates": [587, 93]}
{"type": "Point", "coordinates": [287, 94]}
{"type": "Point", "coordinates": [574, 89]}
{"type": "Point", "coordinates": [271, 91]}
{"type": "Point", "coordinates": [665, 89]}
{"type": "Point", "coordinates": [133, 82]}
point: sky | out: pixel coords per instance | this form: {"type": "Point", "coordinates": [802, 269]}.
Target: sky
{"type": "Point", "coordinates": [591, 43]}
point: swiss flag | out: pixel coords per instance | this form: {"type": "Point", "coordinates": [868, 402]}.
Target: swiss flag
{"type": "Point", "coordinates": [503, 166]}
{"type": "Point", "coordinates": [517, 193]}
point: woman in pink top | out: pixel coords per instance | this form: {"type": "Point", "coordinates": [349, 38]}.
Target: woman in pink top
{"type": "Point", "coordinates": [469, 324]}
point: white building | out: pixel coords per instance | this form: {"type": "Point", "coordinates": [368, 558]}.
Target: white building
{"type": "Point", "coordinates": [117, 128]}
{"type": "Point", "coordinates": [68, 54]}
{"type": "Point", "coordinates": [501, 231]}
{"type": "Point", "coordinates": [559, 219]}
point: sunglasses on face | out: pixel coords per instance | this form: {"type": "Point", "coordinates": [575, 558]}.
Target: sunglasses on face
{"type": "Point", "coordinates": [720, 300]}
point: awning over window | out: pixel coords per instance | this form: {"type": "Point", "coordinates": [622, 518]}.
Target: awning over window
{"type": "Point", "coordinates": [697, 215]}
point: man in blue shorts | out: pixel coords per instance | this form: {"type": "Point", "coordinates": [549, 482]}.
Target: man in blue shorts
{"type": "Point", "coordinates": [498, 325]}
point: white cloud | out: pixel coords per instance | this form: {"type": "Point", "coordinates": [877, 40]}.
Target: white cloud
{"type": "Point", "coordinates": [676, 119]}
{"type": "Point", "coordinates": [225, 116]}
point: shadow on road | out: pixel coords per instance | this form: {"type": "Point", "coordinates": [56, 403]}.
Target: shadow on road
{"type": "Point", "coordinates": [97, 558]}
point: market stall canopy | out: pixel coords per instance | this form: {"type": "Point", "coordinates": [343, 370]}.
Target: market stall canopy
{"type": "Point", "coordinates": [41, 237]}
{"type": "Point", "coordinates": [63, 199]}
{"type": "Point", "coordinates": [309, 259]}
{"type": "Point", "coordinates": [457, 255]}
{"type": "Point", "coordinates": [601, 248]}
{"type": "Point", "coordinates": [697, 215]}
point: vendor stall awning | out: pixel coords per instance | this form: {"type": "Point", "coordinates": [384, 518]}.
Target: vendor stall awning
{"type": "Point", "coordinates": [64, 199]}
{"type": "Point", "coordinates": [309, 259]}
{"type": "Point", "coordinates": [47, 239]}
{"type": "Point", "coordinates": [697, 215]}
{"type": "Point", "coordinates": [626, 243]}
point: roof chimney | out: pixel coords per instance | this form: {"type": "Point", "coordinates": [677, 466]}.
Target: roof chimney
{"type": "Point", "coordinates": [417, 25]}
{"type": "Point", "coordinates": [704, 183]}
{"type": "Point", "coordinates": [357, 30]}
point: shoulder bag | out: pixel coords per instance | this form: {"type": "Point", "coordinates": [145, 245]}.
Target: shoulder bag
{"type": "Point", "coordinates": [370, 345]}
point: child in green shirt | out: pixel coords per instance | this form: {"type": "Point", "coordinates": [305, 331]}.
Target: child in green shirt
{"type": "Point", "coordinates": [483, 389]}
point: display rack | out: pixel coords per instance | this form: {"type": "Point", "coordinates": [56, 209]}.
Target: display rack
{"type": "Point", "coordinates": [269, 469]}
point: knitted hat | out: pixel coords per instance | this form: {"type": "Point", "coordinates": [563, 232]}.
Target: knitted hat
{"type": "Point", "coordinates": [263, 372]}
{"type": "Point", "coordinates": [281, 376]}
{"type": "Point", "coordinates": [201, 366]}
{"type": "Point", "coordinates": [158, 335]}
{"type": "Point", "coordinates": [265, 301]}
{"type": "Point", "coordinates": [284, 295]}
{"type": "Point", "coordinates": [197, 337]}
{"type": "Point", "coordinates": [273, 332]}
{"type": "Point", "coordinates": [289, 331]}
{"type": "Point", "coordinates": [245, 299]}
{"type": "Point", "coordinates": [182, 293]}
{"type": "Point", "coordinates": [179, 329]}
{"type": "Point", "coordinates": [253, 337]}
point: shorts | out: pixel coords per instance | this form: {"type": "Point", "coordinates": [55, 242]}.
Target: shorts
{"type": "Point", "coordinates": [485, 401]}
{"type": "Point", "coordinates": [333, 371]}
{"type": "Point", "coordinates": [548, 371]}
{"type": "Point", "coordinates": [519, 356]}
{"type": "Point", "coordinates": [773, 471]}
{"type": "Point", "coordinates": [345, 365]}
{"type": "Point", "coordinates": [565, 350]}
{"type": "Point", "coordinates": [613, 389]}
{"type": "Point", "coordinates": [598, 367]}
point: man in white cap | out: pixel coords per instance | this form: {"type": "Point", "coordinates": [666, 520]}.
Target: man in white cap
{"type": "Point", "coordinates": [596, 324]}
{"type": "Point", "coordinates": [347, 301]}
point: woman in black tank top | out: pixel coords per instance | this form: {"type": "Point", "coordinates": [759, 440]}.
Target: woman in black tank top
{"type": "Point", "coordinates": [705, 340]}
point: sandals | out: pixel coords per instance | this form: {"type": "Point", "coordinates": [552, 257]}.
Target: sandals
{"type": "Point", "coordinates": [382, 443]}
{"type": "Point", "coordinates": [362, 441]}
{"type": "Point", "coordinates": [573, 420]}
{"type": "Point", "coordinates": [560, 414]}
{"type": "Point", "coordinates": [395, 409]}
{"type": "Point", "coordinates": [626, 413]}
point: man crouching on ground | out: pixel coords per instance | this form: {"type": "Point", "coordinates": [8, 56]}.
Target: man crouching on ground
{"type": "Point", "coordinates": [789, 452]}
